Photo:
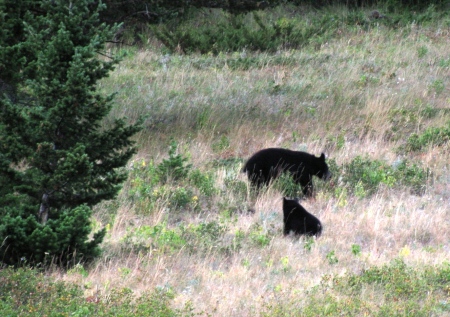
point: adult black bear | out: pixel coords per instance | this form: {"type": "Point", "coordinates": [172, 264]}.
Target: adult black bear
{"type": "Point", "coordinates": [297, 219]}
{"type": "Point", "coordinates": [268, 164]}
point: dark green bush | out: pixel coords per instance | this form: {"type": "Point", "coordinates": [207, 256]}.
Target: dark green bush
{"type": "Point", "coordinates": [204, 182]}
{"type": "Point", "coordinates": [257, 31]}
{"type": "Point", "coordinates": [176, 167]}
{"type": "Point", "coordinates": [235, 33]}
{"type": "Point", "coordinates": [229, 35]}
{"type": "Point", "coordinates": [29, 241]}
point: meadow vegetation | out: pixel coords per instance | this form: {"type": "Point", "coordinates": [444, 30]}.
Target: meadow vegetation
{"type": "Point", "coordinates": [180, 238]}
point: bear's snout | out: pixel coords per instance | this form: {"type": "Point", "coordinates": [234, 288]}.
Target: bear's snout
{"type": "Point", "coordinates": [327, 176]}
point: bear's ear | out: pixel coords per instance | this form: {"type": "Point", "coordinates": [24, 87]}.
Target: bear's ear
{"type": "Point", "coordinates": [322, 157]}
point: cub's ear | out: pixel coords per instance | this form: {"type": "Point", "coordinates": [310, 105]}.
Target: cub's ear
{"type": "Point", "coordinates": [322, 157]}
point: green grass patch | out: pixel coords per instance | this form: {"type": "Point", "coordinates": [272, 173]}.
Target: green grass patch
{"type": "Point", "coordinates": [27, 292]}
{"type": "Point", "coordinates": [394, 289]}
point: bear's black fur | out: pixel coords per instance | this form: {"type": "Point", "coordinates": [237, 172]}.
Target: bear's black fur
{"type": "Point", "coordinates": [297, 219]}
{"type": "Point", "coordinates": [268, 164]}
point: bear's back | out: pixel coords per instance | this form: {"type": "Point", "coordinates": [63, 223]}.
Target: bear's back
{"type": "Point", "coordinates": [274, 156]}
{"type": "Point", "coordinates": [299, 220]}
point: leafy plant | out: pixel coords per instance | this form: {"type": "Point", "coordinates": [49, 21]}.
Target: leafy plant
{"type": "Point", "coordinates": [406, 120]}
{"type": "Point", "coordinates": [233, 32]}
{"type": "Point", "coordinates": [309, 243]}
{"type": "Point", "coordinates": [205, 236]}
{"type": "Point", "coordinates": [422, 51]}
{"type": "Point", "coordinates": [331, 257]}
{"type": "Point", "coordinates": [285, 264]}
{"type": "Point", "coordinates": [222, 144]}
{"type": "Point", "coordinates": [258, 236]}
{"type": "Point", "coordinates": [438, 86]}
{"type": "Point", "coordinates": [356, 249]}
{"type": "Point", "coordinates": [205, 182]}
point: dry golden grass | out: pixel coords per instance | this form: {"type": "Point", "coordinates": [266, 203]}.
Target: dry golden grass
{"type": "Point", "coordinates": [348, 88]}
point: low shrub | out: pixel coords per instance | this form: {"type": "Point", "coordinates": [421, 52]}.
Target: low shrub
{"type": "Point", "coordinates": [431, 136]}
{"type": "Point", "coordinates": [363, 176]}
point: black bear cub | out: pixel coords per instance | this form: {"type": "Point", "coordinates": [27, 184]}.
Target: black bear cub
{"type": "Point", "coordinates": [297, 219]}
{"type": "Point", "coordinates": [270, 163]}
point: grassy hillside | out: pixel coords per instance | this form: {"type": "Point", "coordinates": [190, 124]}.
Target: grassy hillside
{"type": "Point", "coordinates": [375, 100]}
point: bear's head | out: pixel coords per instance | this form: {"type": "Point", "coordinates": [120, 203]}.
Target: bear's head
{"type": "Point", "coordinates": [323, 170]}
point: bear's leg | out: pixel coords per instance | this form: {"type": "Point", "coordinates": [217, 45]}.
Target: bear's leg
{"type": "Point", "coordinates": [307, 186]}
{"type": "Point", "coordinates": [308, 190]}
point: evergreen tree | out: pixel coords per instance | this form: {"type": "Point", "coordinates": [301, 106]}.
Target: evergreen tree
{"type": "Point", "coordinates": [56, 158]}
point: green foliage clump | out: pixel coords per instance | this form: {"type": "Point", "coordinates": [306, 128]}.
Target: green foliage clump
{"type": "Point", "coordinates": [229, 35]}
{"type": "Point", "coordinates": [332, 258]}
{"type": "Point", "coordinates": [155, 238]}
{"type": "Point", "coordinates": [204, 182]}
{"type": "Point", "coordinates": [397, 280]}
{"type": "Point", "coordinates": [232, 167]}
{"type": "Point", "coordinates": [403, 120]}
{"type": "Point", "coordinates": [27, 241]}
{"type": "Point", "coordinates": [235, 32]}
{"type": "Point", "coordinates": [32, 294]}
{"type": "Point", "coordinates": [406, 120]}
{"type": "Point", "coordinates": [259, 236]}
{"type": "Point", "coordinates": [202, 238]}
{"type": "Point", "coordinates": [195, 238]}
{"type": "Point", "coordinates": [216, 31]}
{"type": "Point", "coordinates": [206, 237]}
{"type": "Point", "coordinates": [363, 176]}
{"type": "Point", "coordinates": [430, 137]}
{"type": "Point", "coordinates": [286, 184]}
{"type": "Point", "coordinates": [173, 182]}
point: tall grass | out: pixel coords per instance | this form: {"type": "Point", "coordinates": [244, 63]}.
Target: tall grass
{"type": "Point", "coordinates": [360, 94]}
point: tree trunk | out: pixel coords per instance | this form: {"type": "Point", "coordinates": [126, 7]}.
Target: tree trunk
{"type": "Point", "coordinates": [43, 209]}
